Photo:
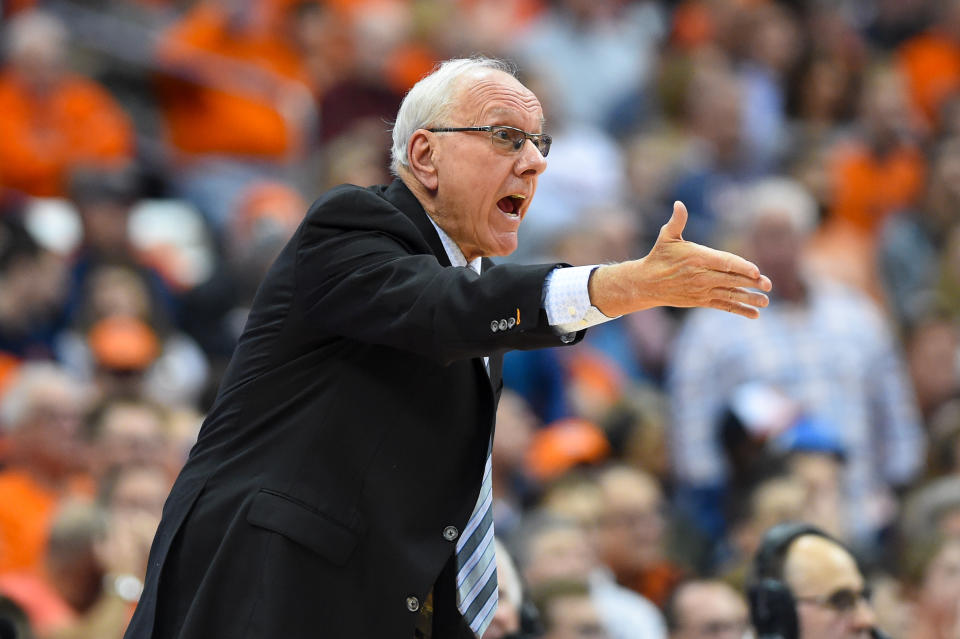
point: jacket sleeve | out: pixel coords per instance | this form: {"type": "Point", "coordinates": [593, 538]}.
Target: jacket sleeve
{"type": "Point", "coordinates": [360, 274]}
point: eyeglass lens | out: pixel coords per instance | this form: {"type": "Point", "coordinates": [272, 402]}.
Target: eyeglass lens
{"type": "Point", "coordinates": [515, 139]}
{"type": "Point", "coordinates": [846, 600]}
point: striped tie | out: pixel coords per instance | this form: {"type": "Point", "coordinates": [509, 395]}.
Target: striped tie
{"type": "Point", "coordinates": [476, 564]}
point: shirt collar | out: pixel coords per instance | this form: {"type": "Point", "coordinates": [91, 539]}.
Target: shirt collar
{"type": "Point", "coordinates": [454, 254]}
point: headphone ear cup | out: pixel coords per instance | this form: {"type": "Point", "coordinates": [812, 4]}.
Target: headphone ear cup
{"type": "Point", "coordinates": [772, 610]}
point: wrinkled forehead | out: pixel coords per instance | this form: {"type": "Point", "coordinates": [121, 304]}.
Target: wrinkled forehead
{"type": "Point", "coordinates": [498, 97]}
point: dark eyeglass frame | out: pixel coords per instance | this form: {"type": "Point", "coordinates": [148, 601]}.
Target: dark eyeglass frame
{"type": "Point", "coordinates": [843, 601]}
{"type": "Point", "coordinates": [541, 141]}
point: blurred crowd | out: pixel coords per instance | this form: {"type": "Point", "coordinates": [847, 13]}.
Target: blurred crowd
{"type": "Point", "coordinates": [155, 155]}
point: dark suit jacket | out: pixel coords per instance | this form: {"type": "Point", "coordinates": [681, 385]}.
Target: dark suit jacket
{"type": "Point", "coordinates": [349, 433]}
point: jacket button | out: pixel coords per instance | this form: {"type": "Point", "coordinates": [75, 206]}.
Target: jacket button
{"type": "Point", "coordinates": [511, 322]}
{"type": "Point", "coordinates": [494, 326]}
{"type": "Point", "coordinates": [413, 604]}
{"type": "Point", "coordinates": [450, 533]}
{"type": "Point", "coordinates": [503, 325]}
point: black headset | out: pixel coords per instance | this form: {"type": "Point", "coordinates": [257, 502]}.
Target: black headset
{"type": "Point", "coordinates": [773, 610]}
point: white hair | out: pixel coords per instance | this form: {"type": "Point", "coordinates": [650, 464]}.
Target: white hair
{"type": "Point", "coordinates": [34, 28]}
{"type": "Point", "coordinates": [18, 402]}
{"type": "Point", "coordinates": [780, 197]}
{"type": "Point", "coordinates": [431, 100]}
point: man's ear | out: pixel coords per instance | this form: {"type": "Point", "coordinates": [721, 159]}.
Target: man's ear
{"type": "Point", "coordinates": [420, 155]}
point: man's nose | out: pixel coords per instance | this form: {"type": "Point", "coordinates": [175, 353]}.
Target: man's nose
{"type": "Point", "coordinates": [864, 618]}
{"type": "Point", "coordinates": [530, 161]}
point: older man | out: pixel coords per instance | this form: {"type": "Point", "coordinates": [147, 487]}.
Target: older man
{"type": "Point", "coordinates": [338, 487]}
{"type": "Point", "coordinates": [806, 585]}
{"type": "Point", "coordinates": [823, 346]}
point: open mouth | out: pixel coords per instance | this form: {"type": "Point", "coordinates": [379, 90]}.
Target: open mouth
{"type": "Point", "coordinates": [510, 204]}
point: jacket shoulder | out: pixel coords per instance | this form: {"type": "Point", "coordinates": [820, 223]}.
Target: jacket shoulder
{"type": "Point", "coordinates": [349, 207]}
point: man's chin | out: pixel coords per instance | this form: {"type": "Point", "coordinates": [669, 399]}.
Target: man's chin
{"type": "Point", "coordinates": [506, 245]}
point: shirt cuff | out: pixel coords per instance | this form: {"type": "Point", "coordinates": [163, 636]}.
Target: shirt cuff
{"type": "Point", "coordinates": [566, 300]}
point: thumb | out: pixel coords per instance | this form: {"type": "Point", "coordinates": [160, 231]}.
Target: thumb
{"type": "Point", "coordinates": [673, 229]}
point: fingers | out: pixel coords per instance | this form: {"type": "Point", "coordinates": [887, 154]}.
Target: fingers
{"type": "Point", "coordinates": [673, 229]}
{"type": "Point", "coordinates": [735, 307]}
{"type": "Point", "coordinates": [740, 296]}
{"type": "Point", "coordinates": [746, 272]}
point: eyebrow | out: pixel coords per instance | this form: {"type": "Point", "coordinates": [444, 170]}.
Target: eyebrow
{"type": "Point", "coordinates": [500, 111]}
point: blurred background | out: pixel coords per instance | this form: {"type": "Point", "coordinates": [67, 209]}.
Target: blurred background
{"type": "Point", "coordinates": [155, 155]}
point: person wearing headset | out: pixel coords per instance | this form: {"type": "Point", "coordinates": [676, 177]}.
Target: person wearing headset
{"type": "Point", "coordinates": [807, 585]}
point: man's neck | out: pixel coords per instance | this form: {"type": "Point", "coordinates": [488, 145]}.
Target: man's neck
{"type": "Point", "coordinates": [423, 196]}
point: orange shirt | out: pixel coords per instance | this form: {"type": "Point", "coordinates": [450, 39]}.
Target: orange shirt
{"type": "Point", "coordinates": [26, 509]}
{"type": "Point", "coordinates": [42, 137]}
{"type": "Point", "coordinates": [868, 188]}
{"type": "Point", "coordinates": [930, 63]}
{"type": "Point", "coordinates": [656, 583]}
{"type": "Point", "coordinates": [225, 86]}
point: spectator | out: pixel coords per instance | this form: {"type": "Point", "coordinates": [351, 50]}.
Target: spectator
{"type": "Point", "coordinates": [513, 489]}
{"type": "Point", "coordinates": [32, 291]}
{"type": "Point", "coordinates": [41, 412]}
{"type": "Point", "coordinates": [630, 533]}
{"type": "Point", "coordinates": [932, 346]}
{"type": "Point", "coordinates": [96, 558]}
{"type": "Point", "coordinates": [234, 99]}
{"type": "Point", "coordinates": [105, 200]}
{"type": "Point", "coordinates": [800, 567]}
{"type": "Point", "coordinates": [54, 121]}
{"type": "Point", "coordinates": [932, 508]}
{"type": "Point", "coordinates": [824, 346]}
{"type": "Point", "coordinates": [718, 164]}
{"type": "Point", "coordinates": [943, 452]}
{"type": "Point", "coordinates": [127, 431]}
{"type": "Point", "coordinates": [506, 619]}
{"type": "Point", "coordinates": [704, 609]}
{"type": "Point", "coordinates": [930, 61]}
{"type": "Point", "coordinates": [912, 241]}
{"type": "Point", "coordinates": [596, 53]}
{"type": "Point", "coordinates": [772, 47]}
{"type": "Point", "coordinates": [568, 612]}
{"type": "Point", "coordinates": [774, 501]}
{"type": "Point", "coordinates": [876, 173]}
{"type": "Point", "coordinates": [552, 548]}
{"type": "Point", "coordinates": [937, 598]}
{"type": "Point", "coordinates": [122, 341]}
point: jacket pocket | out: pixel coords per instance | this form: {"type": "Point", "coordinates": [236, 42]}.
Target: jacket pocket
{"type": "Point", "coordinates": [303, 525]}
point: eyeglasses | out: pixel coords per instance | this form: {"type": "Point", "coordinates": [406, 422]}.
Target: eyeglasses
{"type": "Point", "coordinates": [842, 601]}
{"type": "Point", "coordinates": [506, 137]}
{"type": "Point", "coordinates": [720, 628]}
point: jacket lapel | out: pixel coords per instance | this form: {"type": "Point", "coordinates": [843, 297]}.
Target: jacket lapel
{"type": "Point", "coordinates": [401, 197]}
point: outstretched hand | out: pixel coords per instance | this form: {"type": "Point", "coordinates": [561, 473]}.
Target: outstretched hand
{"type": "Point", "coordinates": [680, 273]}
